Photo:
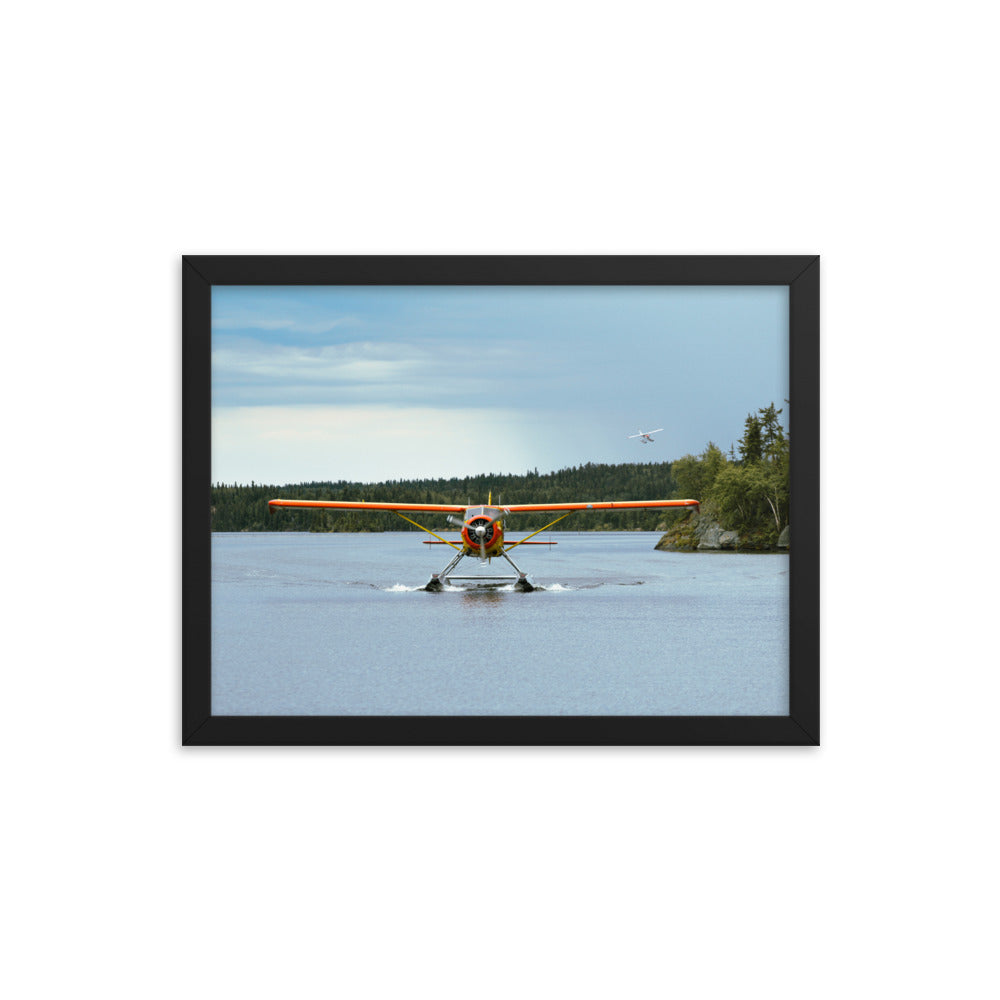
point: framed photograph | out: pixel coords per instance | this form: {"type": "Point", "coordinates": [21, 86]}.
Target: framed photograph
{"type": "Point", "coordinates": [500, 500]}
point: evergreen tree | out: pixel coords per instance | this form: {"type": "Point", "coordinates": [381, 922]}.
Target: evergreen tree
{"type": "Point", "coordinates": [751, 444]}
{"type": "Point", "coordinates": [772, 434]}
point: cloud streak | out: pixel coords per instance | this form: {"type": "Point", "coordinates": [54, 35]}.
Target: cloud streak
{"type": "Point", "coordinates": [289, 325]}
{"type": "Point", "coordinates": [333, 364]}
{"type": "Point", "coordinates": [390, 373]}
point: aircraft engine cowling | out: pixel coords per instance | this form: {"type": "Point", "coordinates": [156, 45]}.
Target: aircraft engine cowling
{"type": "Point", "coordinates": [481, 530]}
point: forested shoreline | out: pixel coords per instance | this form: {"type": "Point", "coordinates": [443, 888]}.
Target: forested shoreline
{"type": "Point", "coordinates": [745, 491]}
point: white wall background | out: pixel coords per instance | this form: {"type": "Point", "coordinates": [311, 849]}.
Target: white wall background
{"type": "Point", "coordinates": [861, 131]}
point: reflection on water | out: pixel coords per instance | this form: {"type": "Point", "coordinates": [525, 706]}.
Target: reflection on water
{"type": "Point", "coordinates": [478, 596]}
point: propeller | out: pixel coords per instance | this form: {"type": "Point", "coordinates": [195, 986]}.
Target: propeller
{"type": "Point", "coordinates": [479, 532]}
{"type": "Point", "coordinates": [483, 531]}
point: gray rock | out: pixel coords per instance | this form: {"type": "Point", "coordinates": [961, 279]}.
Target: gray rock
{"type": "Point", "coordinates": [714, 539]}
{"type": "Point", "coordinates": [729, 539]}
{"type": "Point", "coordinates": [710, 534]}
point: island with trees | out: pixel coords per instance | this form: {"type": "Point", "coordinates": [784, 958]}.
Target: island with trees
{"type": "Point", "coordinates": [744, 497]}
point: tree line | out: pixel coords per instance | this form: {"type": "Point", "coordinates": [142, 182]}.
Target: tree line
{"type": "Point", "coordinates": [745, 491]}
{"type": "Point", "coordinates": [244, 508]}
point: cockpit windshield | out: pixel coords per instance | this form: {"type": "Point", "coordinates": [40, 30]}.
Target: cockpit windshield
{"type": "Point", "coordinates": [490, 512]}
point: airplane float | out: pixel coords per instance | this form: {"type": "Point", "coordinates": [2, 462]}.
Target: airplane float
{"type": "Point", "coordinates": [481, 529]}
{"type": "Point", "coordinates": [646, 436]}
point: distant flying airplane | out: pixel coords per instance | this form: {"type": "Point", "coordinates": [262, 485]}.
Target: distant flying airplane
{"type": "Point", "coordinates": [647, 436]}
{"type": "Point", "coordinates": [481, 528]}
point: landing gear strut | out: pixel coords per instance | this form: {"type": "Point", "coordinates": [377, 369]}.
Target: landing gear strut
{"type": "Point", "coordinates": [438, 580]}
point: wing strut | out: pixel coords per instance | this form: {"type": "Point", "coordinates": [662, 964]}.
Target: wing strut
{"type": "Point", "coordinates": [428, 530]}
{"type": "Point", "coordinates": [514, 545]}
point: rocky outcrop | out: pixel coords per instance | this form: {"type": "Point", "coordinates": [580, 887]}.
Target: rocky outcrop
{"type": "Point", "coordinates": [688, 534]}
{"type": "Point", "coordinates": [699, 532]}
{"type": "Point", "coordinates": [715, 538]}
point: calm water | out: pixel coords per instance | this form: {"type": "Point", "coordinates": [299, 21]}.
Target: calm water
{"type": "Point", "coordinates": [334, 624]}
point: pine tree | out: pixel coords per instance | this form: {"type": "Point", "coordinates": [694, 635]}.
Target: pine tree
{"type": "Point", "coordinates": [751, 444]}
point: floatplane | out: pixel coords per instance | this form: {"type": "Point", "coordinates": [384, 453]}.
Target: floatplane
{"type": "Point", "coordinates": [481, 529]}
{"type": "Point", "coordinates": [646, 436]}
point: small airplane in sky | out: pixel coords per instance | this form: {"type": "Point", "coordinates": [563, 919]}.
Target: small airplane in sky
{"type": "Point", "coordinates": [647, 436]}
{"type": "Point", "coordinates": [481, 529]}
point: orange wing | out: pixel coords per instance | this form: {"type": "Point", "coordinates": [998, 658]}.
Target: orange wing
{"type": "Point", "coordinates": [602, 505]}
{"type": "Point", "coordinates": [446, 508]}
{"type": "Point", "coordinates": [518, 508]}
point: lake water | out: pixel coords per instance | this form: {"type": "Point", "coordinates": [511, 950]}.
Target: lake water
{"type": "Point", "coordinates": [335, 624]}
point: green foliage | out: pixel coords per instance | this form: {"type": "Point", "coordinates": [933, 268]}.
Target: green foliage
{"type": "Point", "coordinates": [751, 445]}
{"type": "Point", "coordinates": [713, 462]}
{"type": "Point", "coordinates": [752, 496]}
{"type": "Point", "coordinates": [772, 434]}
{"type": "Point", "coordinates": [693, 477]}
{"type": "Point", "coordinates": [680, 532]}
{"type": "Point", "coordinates": [752, 499]}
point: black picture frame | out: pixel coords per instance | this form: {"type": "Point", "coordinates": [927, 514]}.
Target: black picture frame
{"type": "Point", "coordinates": [801, 727]}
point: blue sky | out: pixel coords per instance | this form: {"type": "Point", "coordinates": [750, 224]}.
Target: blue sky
{"type": "Point", "coordinates": [377, 382]}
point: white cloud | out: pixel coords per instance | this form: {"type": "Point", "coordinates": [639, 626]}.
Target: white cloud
{"type": "Point", "coordinates": [289, 444]}
{"type": "Point", "coordinates": [334, 363]}
{"type": "Point", "coordinates": [291, 325]}
{"type": "Point", "coordinates": [366, 372]}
